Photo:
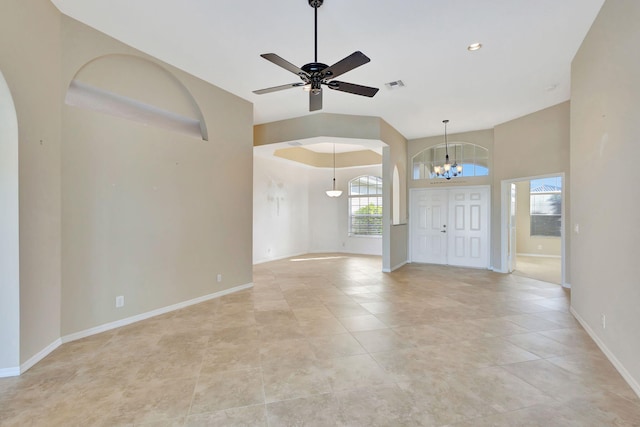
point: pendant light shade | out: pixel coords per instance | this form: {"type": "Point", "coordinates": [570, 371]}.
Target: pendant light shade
{"type": "Point", "coordinates": [333, 192]}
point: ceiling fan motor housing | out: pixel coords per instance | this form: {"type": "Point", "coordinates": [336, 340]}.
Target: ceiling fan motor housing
{"type": "Point", "coordinates": [314, 67]}
{"type": "Point", "coordinates": [315, 3]}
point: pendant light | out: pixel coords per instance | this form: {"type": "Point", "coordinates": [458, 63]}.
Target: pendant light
{"type": "Point", "coordinates": [447, 170]}
{"type": "Point", "coordinates": [334, 192]}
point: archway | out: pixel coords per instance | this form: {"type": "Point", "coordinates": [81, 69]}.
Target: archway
{"type": "Point", "coordinates": [9, 237]}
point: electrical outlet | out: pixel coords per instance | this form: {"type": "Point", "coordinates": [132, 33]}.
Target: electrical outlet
{"type": "Point", "coordinates": [219, 278]}
{"type": "Point", "coordinates": [120, 301]}
{"type": "Point", "coordinates": [603, 318]}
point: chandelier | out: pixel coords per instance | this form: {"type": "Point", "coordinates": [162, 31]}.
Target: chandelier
{"type": "Point", "coordinates": [447, 170]}
{"type": "Point", "coordinates": [334, 192]}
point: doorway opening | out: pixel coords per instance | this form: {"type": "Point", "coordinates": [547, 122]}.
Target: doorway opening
{"type": "Point", "coordinates": [533, 227]}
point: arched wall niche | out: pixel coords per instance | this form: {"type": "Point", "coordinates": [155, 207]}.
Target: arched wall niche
{"type": "Point", "coordinates": [136, 89]}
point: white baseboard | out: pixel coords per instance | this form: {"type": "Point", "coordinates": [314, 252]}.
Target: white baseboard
{"type": "Point", "coordinates": [343, 251]}
{"type": "Point", "coordinates": [278, 258]}
{"type": "Point", "coordinates": [540, 255]}
{"type": "Point", "coordinates": [612, 358]}
{"type": "Point", "coordinates": [40, 355]}
{"type": "Point", "coordinates": [395, 267]}
{"type": "Point", "coordinates": [152, 313]}
{"type": "Point", "coordinates": [10, 372]}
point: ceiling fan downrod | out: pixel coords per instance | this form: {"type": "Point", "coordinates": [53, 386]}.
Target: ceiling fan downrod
{"type": "Point", "coordinates": [315, 4]}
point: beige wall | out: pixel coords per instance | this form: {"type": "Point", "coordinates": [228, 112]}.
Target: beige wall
{"type": "Point", "coordinates": [319, 124]}
{"type": "Point", "coordinates": [112, 207]}
{"type": "Point", "coordinates": [394, 245]}
{"type": "Point", "coordinates": [534, 145]}
{"type": "Point", "coordinates": [605, 199]}
{"type": "Point", "coordinates": [30, 61]}
{"type": "Point", "coordinates": [525, 242]}
{"type": "Point", "coordinates": [147, 213]}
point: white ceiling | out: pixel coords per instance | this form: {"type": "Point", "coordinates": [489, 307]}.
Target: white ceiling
{"type": "Point", "coordinates": [523, 67]}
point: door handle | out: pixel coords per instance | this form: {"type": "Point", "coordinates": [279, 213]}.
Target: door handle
{"type": "Point", "coordinates": [443, 231]}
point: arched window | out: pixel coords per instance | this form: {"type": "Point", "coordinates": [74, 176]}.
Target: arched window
{"type": "Point", "coordinates": [473, 158]}
{"type": "Point", "coordinates": [365, 206]}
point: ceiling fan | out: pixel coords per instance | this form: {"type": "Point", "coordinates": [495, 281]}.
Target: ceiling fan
{"type": "Point", "coordinates": [315, 74]}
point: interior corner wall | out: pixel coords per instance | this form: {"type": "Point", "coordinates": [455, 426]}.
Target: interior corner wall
{"type": "Point", "coordinates": [293, 215]}
{"type": "Point", "coordinates": [280, 209]}
{"type": "Point", "coordinates": [534, 145]}
{"type": "Point", "coordinates": [605, 129]}
{"type": "Point", "coordinates": [30, 59]}
{"type": "Point", "coordinates": [329, 217]}
{"type": "Point", "coordinates": [147, 213]}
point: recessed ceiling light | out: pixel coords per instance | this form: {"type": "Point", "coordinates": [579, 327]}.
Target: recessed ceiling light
{"type": "Point", "coordinates": [474, 46]}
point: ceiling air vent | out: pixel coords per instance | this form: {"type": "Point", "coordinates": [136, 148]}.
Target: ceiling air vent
{"type": "Point", "coordinates": [395, 85]}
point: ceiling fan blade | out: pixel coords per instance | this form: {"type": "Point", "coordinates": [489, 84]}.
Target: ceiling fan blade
{"type": "Point", "coordinates": [353, 88]}
{"type": "Point", "coordinates": [277, 88]}
{"type": "Point", "coordinates": [315, 101]}
{"type": "Point", "coordinates": [283, 63]}
{"type": "Point", "coordinates": [352, 61]}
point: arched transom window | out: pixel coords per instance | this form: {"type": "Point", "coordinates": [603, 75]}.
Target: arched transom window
{"type": "Point", "coordinates": [365, 206]}
{"type": "Point", "coordinates": [473, 158]}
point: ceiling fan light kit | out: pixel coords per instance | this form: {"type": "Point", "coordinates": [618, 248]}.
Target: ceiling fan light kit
{"type": "Point", "coordinates": [333, 192]}
{"type": "Point", "coordinates": [315, 74]}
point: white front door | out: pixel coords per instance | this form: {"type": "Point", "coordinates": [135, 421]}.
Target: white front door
{"type": "Point", "coordinates": [469, 227]}
{"type": "Point", "coordinates": [429, 217]}
{"type": "Point", "coordinates": [450, 226]}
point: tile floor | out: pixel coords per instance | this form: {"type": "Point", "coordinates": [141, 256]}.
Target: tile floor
{"type": "Point", "coordinates": [330, 340]}
{"type": "Point", "coordinates": [540, 268]}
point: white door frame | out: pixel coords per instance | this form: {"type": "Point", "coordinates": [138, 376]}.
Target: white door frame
{"type": "Point", "coordinates": [512, 220]}
{"type": "Point", "coordinates": [505, 196]}
{"type": "Point", "coordinates": [466, 187]}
